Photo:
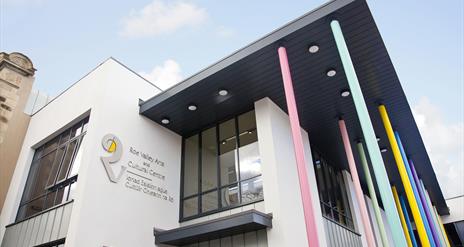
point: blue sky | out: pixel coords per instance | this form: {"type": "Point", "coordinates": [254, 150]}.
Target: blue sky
{"type": "Point", "coordinates": [170, 40]}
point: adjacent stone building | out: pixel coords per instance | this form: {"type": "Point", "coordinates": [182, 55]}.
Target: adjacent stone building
{"type": "Point", "coordinates": [16, 79]}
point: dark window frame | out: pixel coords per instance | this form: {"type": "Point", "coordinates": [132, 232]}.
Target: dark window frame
{"type": "Point", "coordinates": [219, 187]}
{"type": "Point", "coordinates": [57, 185]}
{"type": "Point", "coordinates": [329, 209]}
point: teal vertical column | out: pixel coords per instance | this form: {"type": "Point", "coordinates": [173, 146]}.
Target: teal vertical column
{"type": "Point", "coordinates": [370, 138]}
{"type": "Point", "coordinates": [430, 235]}
{"type": "Point", "coordinates": [408, 221]}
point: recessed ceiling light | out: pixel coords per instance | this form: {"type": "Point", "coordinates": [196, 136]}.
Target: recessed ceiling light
{"type": "Point", "coordinates": [223, 92]}
{"type": "Point", "coordinates": [345, 93]}
{"type": "Point", "coordinates": [331, 72]}
{"type": "Point", "coordinates": [313, 48]}
{"type": "Point", "coordinates": [383, 150]}
{"type": "Point", "coordinates": [165, 121]}
{"type": "Point", "coordinates": [378, 139]}
{"type": "Point", "coordinates": [192, 107]}
{"type": "Point", "coordinates": [224, 142]}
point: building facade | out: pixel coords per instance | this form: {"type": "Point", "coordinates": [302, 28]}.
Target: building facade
{"type": "Point", "coordinates": [16, 79]}
{"type": "Point", "coordinates": [286, 142]}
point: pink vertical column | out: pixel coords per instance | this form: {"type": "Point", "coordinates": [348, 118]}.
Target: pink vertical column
{"type": "Point", "coordinates": [310, 221]}
{"type": "Point", "coordinates": [357, 184]}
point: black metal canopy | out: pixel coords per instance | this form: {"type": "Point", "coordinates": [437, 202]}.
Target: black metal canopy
{"type": "Point", "coordinates": [253, 73]}
{"type": "Point", "coordinates": [243, 222]}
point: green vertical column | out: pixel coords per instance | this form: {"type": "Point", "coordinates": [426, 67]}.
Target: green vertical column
{"type": "Point", "coordinates": [372, 194]}
{"type": "Point", "coordinates": [370, 138]}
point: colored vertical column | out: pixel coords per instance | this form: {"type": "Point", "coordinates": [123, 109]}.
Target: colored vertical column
{"type": "Point", "coordinates": [408, 221]}
{"type": "Point", "coordinates": [442, 227]}
{"type": "Point", "coordinates": [310, 221]}
{"type": "Point", "coordinates": [427, 210]}
{"type": "Point", "coordinates": [404, 178]}
{"type": "Point", "coordinates": [369, 137]}
{"type": "Point", "coordinates": [434, 241]}
{"type": "Point", "coordinates": [436, 216]}
{"type": "Point", "coordinates": [403, 221]}
{"type": "Point", "coordinates": [357, 185]}
{"type": "Point", "coordinates": [372, 194]}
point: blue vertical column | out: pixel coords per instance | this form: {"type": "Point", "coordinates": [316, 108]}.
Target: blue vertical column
{"type": "Point", "coordinates": [408, 221]}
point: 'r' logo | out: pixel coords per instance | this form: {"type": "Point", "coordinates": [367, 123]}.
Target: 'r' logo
{"type": "Point", "coordinates": [112, 145]}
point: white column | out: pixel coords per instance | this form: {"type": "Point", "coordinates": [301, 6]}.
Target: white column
{"type": "Point", "coordinates": [280, 178]}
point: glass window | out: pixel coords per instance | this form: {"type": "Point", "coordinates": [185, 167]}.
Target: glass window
{"type": "Point", "coordinates": [48, 182]}
{"type": "Point", "coordinates": [190, 207]}
{"type": "Point", "coordinates": [231, 147]}
{"type": "Point", "coordinates": [209, 201]}
{"type": "Point", "coordinates": [332, 192]}
{"type": "Point", "coordinates": [252, 189]}
{"type": "Point", "coordinates": [250, 161]}
{"type": "Point", "coordinates": [208, 160]}
{"type": "Point", "coordinates": [227, 152]}
{"type": "Point", "coordinates": [191, 166]}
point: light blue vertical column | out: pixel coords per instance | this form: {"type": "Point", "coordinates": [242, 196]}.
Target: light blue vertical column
{"type": "Point", "coordinates": [430, 235]}
{"type": "Point", "coordinates": [408, 221]}
{"type": "Point", "coordinates": [370, 138]}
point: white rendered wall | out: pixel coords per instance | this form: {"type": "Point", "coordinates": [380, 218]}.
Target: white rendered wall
{"type": "Point", "coordinates": [106, 213]}
{"type": "Point", "coordinates": [280, 178]}
{"type": "Point", "coordinates": [354, 206]}
{"type": "Point", "coordinates": [456, 208]}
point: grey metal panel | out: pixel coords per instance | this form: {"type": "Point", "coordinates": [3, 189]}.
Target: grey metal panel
{"type": "Point", "coordinates": [56, 224]}
{"type": "Point", "coordinates": [262, 238]}
{"type": "Point", "coordinates": [35, 230]}
{"type": "Point", "coordinates": [338, 235]}
{"type": "Point", "coordinates": [27, 234]}
{"type": "Point", "coordinates": [215, 243]}
{"type": "Point", "coordinates": [238, 241]}
{"type": "Point", "coordinates": [42, 226]}
{"type": "Point", "coordinates": [251, 239]}
{"type": "Point", "coordinates": [49, 226]}
{"type": "Point", "coordinates": [203, 244]}
{"type": "Point", "coordinates": [65, 220]}
{"type": "Point", "coordinates": [226, 242]}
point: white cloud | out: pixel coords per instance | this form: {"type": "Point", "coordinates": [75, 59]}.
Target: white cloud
{"type": "Point", "coordinates": [445, 145]}
{"type": "Point", "coordinates": [164, 76]}
{"type": "Point", "coordinates": [162, 17]}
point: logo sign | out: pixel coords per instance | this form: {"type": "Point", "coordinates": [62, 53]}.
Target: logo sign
{"type": "Point", "coordinates": [112, 145]}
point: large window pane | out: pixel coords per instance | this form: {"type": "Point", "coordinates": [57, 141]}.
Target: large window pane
{"type": "Point", "coordinates": [191, 166]}
{"type": "Point", "coordinates": [190, 207]}
{"type": "Point", "coordinates": [77, 161]}
{"type": "Point", "coordinates": [55, 166]}
{"type": "Point", "coordinates": [229, 196]}
{"type": "Point", "coordinates": [209, 201]}
{"type": "Point", "coordinates": [252, 190]}
{"type": "Point", "coordinates": [209, 175]}
{"type": "Point", "coordinates": [67, 160]}
{"type": "Point", "coordinates": [43, 171]}
{"type": "Point", "coordinates": [228, 152]}
{"type": "Point", "coordinates": [250, 161]}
